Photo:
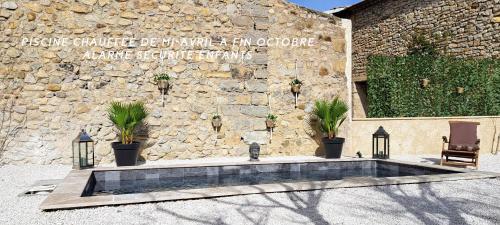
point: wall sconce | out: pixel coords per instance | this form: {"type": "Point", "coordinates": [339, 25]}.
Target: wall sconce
{"type": "Point", "coordinates": [162, 80]}
{"type": "Point", "coordinates": [271, 124]}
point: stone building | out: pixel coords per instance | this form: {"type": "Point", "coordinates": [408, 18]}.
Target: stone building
{"type": "Point", "coordinates": [460, 28]}
{"type": "Point", "coordinates": [55, 90]}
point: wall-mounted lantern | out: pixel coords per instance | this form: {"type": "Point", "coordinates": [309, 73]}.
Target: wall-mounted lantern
{"type": "Point", "coordinates": [380, 144]}
{"type": "Point", "coordinates": [254, 151]}
{"type": "Point", "coordinates": [83, 151]}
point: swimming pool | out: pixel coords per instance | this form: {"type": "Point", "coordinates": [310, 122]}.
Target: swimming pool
{"type": "Point", "coordinates": [142, 184]}
{"type": "Point", "coordinates": [168, 179]}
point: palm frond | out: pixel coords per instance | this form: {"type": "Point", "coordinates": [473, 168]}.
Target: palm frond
{"type": "Point", "coordinates": [118, 114]}
{"type": "Point", "coordinates": [331, 115]}
{"type": "Point", "coordinates": [126, 118]}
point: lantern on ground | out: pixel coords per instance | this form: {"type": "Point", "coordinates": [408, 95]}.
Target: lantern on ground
{"type": "Point", "coordinates": [83, 151]}
{"type": "Point", "coordinates": [380, 144]}
{"type": "Point", "coordinates": [254, 152]}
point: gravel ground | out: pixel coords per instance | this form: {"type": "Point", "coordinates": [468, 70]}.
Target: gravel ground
{"type": "Point", "coordinates": [456, 202]}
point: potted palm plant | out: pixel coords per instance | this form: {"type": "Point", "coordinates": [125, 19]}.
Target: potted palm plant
{"type": "Point", "coordinates": [331, 115]}
{"type": "Point", "coordinates": [271, 121]}
{"type": "Point", "coordinates": [126, 117]}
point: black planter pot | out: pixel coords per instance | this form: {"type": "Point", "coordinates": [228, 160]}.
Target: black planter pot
{"type": "Point", "coordinates": [333, 147]}
{"type": "Point", "coordinates": [126, 155]}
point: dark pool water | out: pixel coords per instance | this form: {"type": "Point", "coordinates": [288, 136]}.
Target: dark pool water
{"type": "Point", "coordinates": [144, 181]}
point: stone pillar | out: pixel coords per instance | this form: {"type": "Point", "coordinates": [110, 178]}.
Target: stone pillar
{"type": "Point", "coordinates": [346, 24]}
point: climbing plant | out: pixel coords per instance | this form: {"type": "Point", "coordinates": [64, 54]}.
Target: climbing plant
{"type": "Point", "coordinates": [420, 45]}
{"type": "Point", "coordinates": [395, 86]}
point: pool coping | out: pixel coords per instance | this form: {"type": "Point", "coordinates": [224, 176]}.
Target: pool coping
{"type": "Point", "coordinates": [68, 194]}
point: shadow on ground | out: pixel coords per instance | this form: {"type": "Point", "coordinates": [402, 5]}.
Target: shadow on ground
{"type": "Point", "coordinates": [259, 213]}
{"type": "Point", "coordinates": [426, 206]}
{"type": "Point", "coordinates": [422, 205]}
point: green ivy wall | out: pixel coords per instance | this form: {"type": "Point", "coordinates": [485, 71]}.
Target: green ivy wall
{"type": "Point", "coordinates": [394, 86]}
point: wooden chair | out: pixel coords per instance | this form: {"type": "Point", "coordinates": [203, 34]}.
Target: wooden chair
{"type": "Point", "coordinates": [463, 144]}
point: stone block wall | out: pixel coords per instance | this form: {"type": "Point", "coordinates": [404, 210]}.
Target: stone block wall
{"type": "Point", "coordinates": [55, 92]}
{"type": "Point", "coordinates": [461, 28]}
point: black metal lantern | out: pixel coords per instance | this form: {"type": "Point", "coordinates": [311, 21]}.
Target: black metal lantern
{"type": "Point", "coordinates": [380, 144]}
{"type": "Point", "coordinates": [83, 151]}
{"type": "Point", "coordinates": [254, 152]}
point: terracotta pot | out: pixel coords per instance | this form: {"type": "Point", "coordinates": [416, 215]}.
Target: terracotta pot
{"type": "Point", "coordinates": [270, 123]}
{"type": "Point", "coordinates": [162, 84]}
{"type": "Point", "coordinates": [296, 88]}
{"type": "Point", "coordinates": [217, 122]}
{"type": "Point", "coordinates": [460, 90]}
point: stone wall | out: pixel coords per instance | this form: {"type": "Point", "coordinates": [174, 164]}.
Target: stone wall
{"type": "Point", "coordinates": [56, 92]}
{"type": "Point", "coordinates": [461, 28]}
{"type": "Point", "coordinates": [417, 136]}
